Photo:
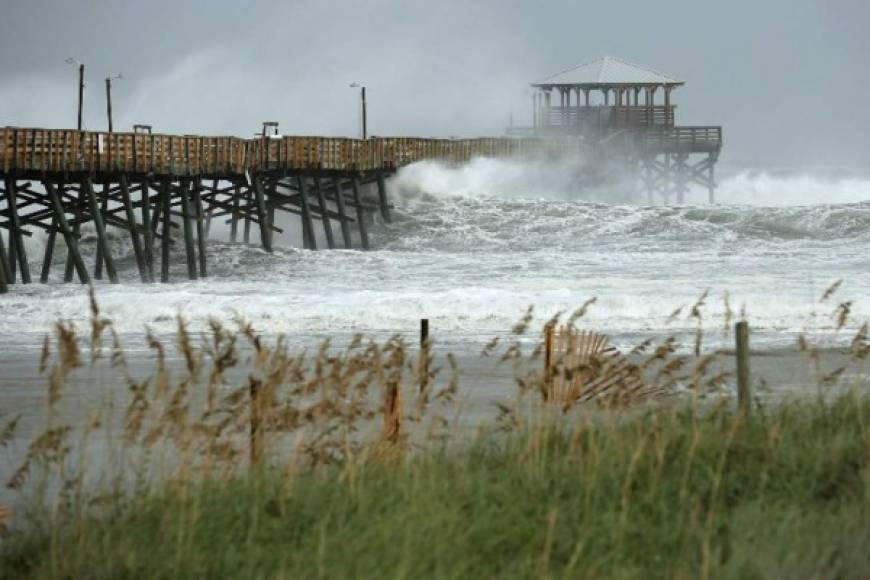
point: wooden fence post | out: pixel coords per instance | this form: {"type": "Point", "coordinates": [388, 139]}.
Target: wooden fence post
{"type": "Point", "coordinates": [424, 354]}
{"type": "Point", "coordinates": [548, 359]}
{"type": "Point", "coordinates": [256, 440]}
{"type": "Point", "coordinates": [744, 395]}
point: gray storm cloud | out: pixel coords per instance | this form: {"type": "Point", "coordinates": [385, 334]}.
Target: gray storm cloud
{"type": "Point", "coordinates": [788, 89]}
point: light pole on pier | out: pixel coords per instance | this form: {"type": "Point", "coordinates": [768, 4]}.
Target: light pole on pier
{"type": "Point", "coordinates": [72, 60]}
{"type": "Point", "coordinates": [109, 97]}
{"type": "Point", "coordinates": [362, 94]}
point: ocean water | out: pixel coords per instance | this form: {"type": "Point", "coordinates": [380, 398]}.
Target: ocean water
{"type": "Point", "coordinates": [472, 248]}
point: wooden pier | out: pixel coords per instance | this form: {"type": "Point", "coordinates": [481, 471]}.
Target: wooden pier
{"type": "Point", "coordinates": [167, 189]}
{"type": "Point", "coordinates": [164, 190]}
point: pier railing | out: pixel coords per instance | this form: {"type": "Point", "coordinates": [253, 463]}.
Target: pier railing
{"type": "Point", "coordinates": [686, 139]}
{"type": "Point", "coordinates": [604, 117]}
{"type": "Point", "coordinates": [61, 150]}
{"type": "Point", "coordinates": [342, 154]}
{"type": "Point", "coordinates": [26, 150]}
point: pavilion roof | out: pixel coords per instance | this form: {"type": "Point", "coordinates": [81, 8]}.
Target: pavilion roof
{"type": "Point", "coordinates": [608, 71]}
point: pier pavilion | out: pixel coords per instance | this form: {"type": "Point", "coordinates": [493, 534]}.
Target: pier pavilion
{"type": "Point", "coordinates": [625, 114]}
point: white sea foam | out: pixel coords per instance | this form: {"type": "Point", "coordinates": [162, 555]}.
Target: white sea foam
{"type": "Point", "coordinates": [471, 248]}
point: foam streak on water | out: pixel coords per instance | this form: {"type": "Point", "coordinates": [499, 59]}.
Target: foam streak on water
{"type": "Point", "coordinates": [471, 248]}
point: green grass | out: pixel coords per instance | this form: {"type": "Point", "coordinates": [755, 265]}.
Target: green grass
{"type": "Point", "coordinates": [668, 492]}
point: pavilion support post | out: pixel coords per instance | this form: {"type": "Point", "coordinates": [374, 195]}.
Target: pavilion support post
{"type": "Point", "coordinates": [382, 198]}
{"type": "Point", "coordinates": [49, 250]}
{"type": "Point", "coordinates": [99, 224]}
{"type": "Point", "coordinates": [648, 178]}
{"type": "Point", "coordinates": [324, 212]}
{"type": "Point", "coordinates": [147, 231]}
{"type": "Point", "coordinates": [138, 252]}
{"type": "Point", "coordinates": [681, 178]}
{"type": "Point", "coordinates": [98, 266]}
{"type": "Point", "coordinates": [201, 228]}
{"type": "Point", "coordinates": [308, 240]}
{"type": "Point", "coordinates": [262, 215]}
{"type": "Point", "coordinates": [20, 253]}
{"type": "Point", "coordinates": [342, 211]}
{"type": "Point", "coordinates": [165, 231]}
{"type": "Point", "coordinates": [70, 238]}
{"type": "Point", "coordinates": [76, 228]}
{"type": "Point", "coordinates": [187, 227]}
{"type": "Point", "coordinates": [668, 178]}
{"type": "Point", "coordinates": [711, 180]}
{"type": "Point", "coordinates": [360, 215]}
{"type": "Point", "coordinates": [234, 216]}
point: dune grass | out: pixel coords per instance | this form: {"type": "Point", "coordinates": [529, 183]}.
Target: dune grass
{"type": "Point", "coordinates": [261, 463]}
{"type": "Point", "coordinates": [661, 493]}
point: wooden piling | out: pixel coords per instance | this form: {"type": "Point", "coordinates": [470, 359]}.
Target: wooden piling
{"type": "Point", "coordinates": [20, 252]}
{"type": "Point", "coordinates": [324, 212]}
{"type": "Point", "coordinates": [269, 194]}
{"type": "Point", "coordinates": [145, 210]}
{"type": "Point", "coordinates": [4, 261]}
{"type": "Point", "coordinates": [49, 250]}
{"type": "Point", "coordinates": [342, 211]}
{"type": "Point", "coordinates": [13, 255]}
{"type": "Point", "coordinates": [711, 180]}
{"type": "Point", "coordinates": [382, 198]}
{"type": "Point", "coordinates": [360, 216]}
{"type": "Point", "coordinates": [308, 240]}
{"type": "Point", "coordinates": [4, 267]}
{"type": "Point", "coordinates": [99, 224]}
{"type": "Point", "coordinates": [4, 286]}
{"type": "Point", "coordinates": [138, 252]}
{"type": "Point", "coordinates": [189, 249]}
{"type": "Point", "coordinates": [104, 207]}
{"type": "Point", "coordinates": [263, 218]}
{"type": "Point", "coordinates": [234, 216]}
{"type": "Point", "coordinates": [247, 229]}
{"type": "Point", "coordinates": [744, 394]}
{"type": "Point", "coordinates": [165, 231]}
{"type": "Point", "coordinates": [69, 236]}
{"type": "Point", "coordinates": [201, 229]}
{"type": "Point", "coordinates": [210, 213]}
{"type": "Point", "coordinates": [70, 267]}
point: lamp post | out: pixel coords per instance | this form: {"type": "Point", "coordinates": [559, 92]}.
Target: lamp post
{"type": "Point", "coordinates": [109, 97]}
{"type": "Point", "coordinates": [81, 86]}
{"type": "Point", "coordinates": [362, 94]}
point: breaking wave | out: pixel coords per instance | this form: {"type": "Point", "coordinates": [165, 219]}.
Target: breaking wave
{"type": "Point", "coordinates": [471, 248]}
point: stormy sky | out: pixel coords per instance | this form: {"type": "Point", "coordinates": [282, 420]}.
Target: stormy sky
{"type": "Point", "coordinates": [788, 79]}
